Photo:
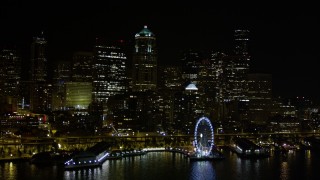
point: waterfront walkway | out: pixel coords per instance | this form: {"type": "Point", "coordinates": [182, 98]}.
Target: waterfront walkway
{"type": "Point", "coordinates": [25, 157]}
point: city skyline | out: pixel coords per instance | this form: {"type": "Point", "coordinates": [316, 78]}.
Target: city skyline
{"type": "Point", "coordinates": [280, 39]}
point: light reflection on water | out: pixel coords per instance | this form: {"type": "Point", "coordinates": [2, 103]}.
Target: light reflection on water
{"type": "Point", "coordinates": [167, 166]}
{"type": "Point", "coordinates": [202, 170]}
{"type": "Point", "coordinates": [153, 166]}
{"type": "Point", "coordinates": [158, 165]}
{"type": "Point", "coordinates": [284, 175]}
{"type": "Point", "coordinates": [7, 171]}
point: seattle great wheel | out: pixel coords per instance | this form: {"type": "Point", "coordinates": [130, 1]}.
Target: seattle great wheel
{"type": "Point", "coordinates": [203, 137]}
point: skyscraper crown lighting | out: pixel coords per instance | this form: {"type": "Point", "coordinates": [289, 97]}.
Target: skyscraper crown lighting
{"type": "Point", "coordinates": [145, 32]}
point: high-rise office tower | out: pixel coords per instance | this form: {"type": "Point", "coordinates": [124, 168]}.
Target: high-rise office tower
{"type": "Point", "coordinates": [61, 75]}
{"type": "Point", "coordinates": [144, 66]}
{"type": "Point", "coordinates": [109, 71]}
{"type": "Point", "coordinates": [212, 83]}
{"type": "Point", "coordinates": [216, 70]}
{"type": "Point", "coordinates": [231, 79]}
{"type": "Point", "coordinates": [190, 63]}
{"type": "Point", "coordinates": [237, 67]}
{"type": "Point", "coordinates": [82, 66]}
{"type": "Point", "coordinates": [10, 75]}
{"type": "Point", "coordinates": [170, 79]}
{"type": "Point", "coordinates": [187, 108]}
{"type": "Point", "coordinates": [40, 94]}
{"type": "Point", "coordinates": [241, 63]}
{"type": "Point", "coordinates": [78, 95]}
{"type": "Point", "coordinates": [10, 72]}
{"type": "Point", "coordinates": [260, 97]}
{"type": "Point", "coordinates": [169, 83]}
{"type": "Point", "coordinates": [237, 70]}
{"type": "Point", "coordinates": [241, 38]}
{"type": "Point", "coordinates": [39, 59]}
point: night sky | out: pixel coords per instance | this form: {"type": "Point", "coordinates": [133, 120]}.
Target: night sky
{"type": "Point", "coordinates": [284, 39]}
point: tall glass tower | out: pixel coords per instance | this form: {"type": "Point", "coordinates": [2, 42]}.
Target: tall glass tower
{"type": "Point", "coordinates": [10, 69]}
{"type": "Point", "coordinates": [40, 94]}
{"type": "Point", "coordinates": [109, 76]}
{"type": "Point", "coordinates": [39, 59]}
{"type": "Point", "coordinates": [144, 70]}
{"type": "Point", "coordinates": [10, 77]}
{"type": "Point", "coordinates": [82, 66]}
{"type": "Point", "coordinates": [241, 38]}
{"type": "Point", "coordinates": [237, 67]}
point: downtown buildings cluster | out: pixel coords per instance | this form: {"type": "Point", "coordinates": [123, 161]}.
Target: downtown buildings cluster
{"type": "Point", "coordinates": [119, 87]}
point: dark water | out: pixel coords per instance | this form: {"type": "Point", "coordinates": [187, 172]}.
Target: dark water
{"type": "Point", "coordinates": [165, 166]}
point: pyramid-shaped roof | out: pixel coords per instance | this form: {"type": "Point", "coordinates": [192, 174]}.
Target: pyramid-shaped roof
{"type": "Point", "coordinates": [145, 32]}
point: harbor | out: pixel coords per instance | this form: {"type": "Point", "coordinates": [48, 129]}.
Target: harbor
{"type": "Point", "coordinates": [162, 164]}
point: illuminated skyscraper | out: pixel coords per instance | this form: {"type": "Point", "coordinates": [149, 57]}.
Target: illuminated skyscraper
{"type": "Point", "coordinates": [170, 78]}
{"type": "Point", "coordinates": [144, 70]}
{"type": "Point", "coordinates": [241, 64]}
{"type": "Point", "coordinates": [109, 71]}
{"type": "Point", "coordinates": [40, 94]}
{"type": "Point", "coordinates": [237, 68]}
{"type": "Point", "coordinates": [190, 63]}
{"type": "Point", "coordinates": [10, 69]}
{"type": "Point", "coordinates": [260, 97]}
{"type": "Point", "coordinates": [187, 108]}
{"type": "Point", "coordinates": [39, 59]}
{"type": "Point", "coordinates": [78, 95]}
{"type": "Point", "coordinates": [82, 67]}
{"type": "Point", "coordinates": [241, 38]}
{"type": "Point", "coordinates": [231, 79]}
{"type": "Point", "coordinates": [216, 70]}
{"type": "Point", "coordinates": [61, 75]}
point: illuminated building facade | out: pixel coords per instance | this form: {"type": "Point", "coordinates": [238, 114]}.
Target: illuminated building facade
{"type": "Point", "coordinates": [211, 83]}
{"type": "Point", "coordinates": [170, 82]}
{"type": "Point", "coordinates": [170, 78]}
{"type": "Point", "coordinates": [78, 95]}
{"type": "Point", "coordinates": [109, 72]}
{"type": "Point", "coordinates": [260, 97]}
{"type": "Point", "coordinates": [241, 37]}
{"type": "Point", "coordinates": [216, 72]}
{"type": "Point", "coordinates": [62, 75]}
{"type": "Point", "coordinates": [41, 96]}
{"type": "Point", "coordinates": [140, 111]}
{"type": "Point", "coordinates": [207, 76]}
{"type": "Point", "coordinates": [10, 76]}
{"type": "Point", "coordinates": [39, 59]}
{"type": "Point", "coordinates": [187, 108]}
{"type": "Point", "coordinates": [40, 93]}
{"type": "Point", "coordinates": [238, 67]}
{"type": "Point", "coordinates": [82, 67]}
{"type": "Point", "coordinates": [190, 62]}
{"type": "Point", "coordinates": [144, 67]}
{"type": "Point", "coordinates": [232, 85]}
